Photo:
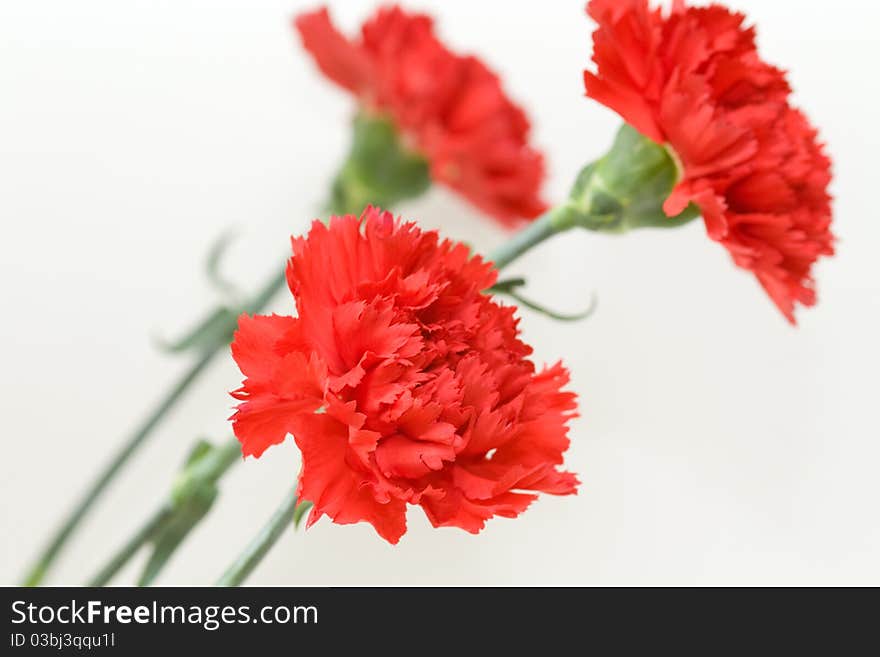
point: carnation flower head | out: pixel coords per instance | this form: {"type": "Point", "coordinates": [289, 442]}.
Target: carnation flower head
{"type": "Point", "coordinates": [402, 382]}
{"type": "Point", "coordinates": [449, 108]}
{"type": "Point", "coordinates": [693, 80]}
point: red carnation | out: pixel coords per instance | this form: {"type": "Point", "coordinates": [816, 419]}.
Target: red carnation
{"type": "Point", "coordinates": [402, 382]}
{"type": "Point", "coordinates": [693, 80]}
{"type": "Point", "coordinates": [450, 108]}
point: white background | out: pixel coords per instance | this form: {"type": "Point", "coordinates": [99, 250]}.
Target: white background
{"type": "Point", "coordinates": [717, 444]}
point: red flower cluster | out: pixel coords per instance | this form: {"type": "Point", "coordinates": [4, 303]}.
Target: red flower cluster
{"type": "Point", "coordinates": [402, 382]}
{"type": "Point", "coordinates": [449, 108]}
{"type": "Point", "coordinates": [694, 81]}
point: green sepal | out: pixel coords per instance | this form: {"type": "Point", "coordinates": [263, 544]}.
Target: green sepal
{"type": "Point", "coordinates": [380, 169]}
{"type": "Point", "coordinates": [627, 187]}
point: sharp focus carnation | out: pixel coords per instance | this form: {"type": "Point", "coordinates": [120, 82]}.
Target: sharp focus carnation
{"type": "Point", "coordinates": [693, 80]}
{"type": "Point", "coordinates": [448, 107]}
{"type": "Point", "coordinates": [402, 382]}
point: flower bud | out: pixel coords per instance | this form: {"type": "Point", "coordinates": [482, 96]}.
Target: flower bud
{"type": "Point", "coordinates": [627, 187]}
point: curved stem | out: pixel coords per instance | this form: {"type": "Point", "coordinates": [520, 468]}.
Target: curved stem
{"type": "Point", "coordinates": [144, 534]}
{"type": "Point", "coordinates": [261, 544]}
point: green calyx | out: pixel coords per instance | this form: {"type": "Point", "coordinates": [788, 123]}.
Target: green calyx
{"type": "Point", "coordinates": [626, 188]}
{"type": "Point", "coordinates": [380, 169]}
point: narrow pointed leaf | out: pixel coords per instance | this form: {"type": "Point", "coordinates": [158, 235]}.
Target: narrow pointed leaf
{"type": "Point", "coordinates": [562, 317]}
{"type": "Point", "coordinates": [506, 285]}
{"type": "Point", "coordinates": [214, 261]}
{"type": "Point", "coordinates": [216, 329]}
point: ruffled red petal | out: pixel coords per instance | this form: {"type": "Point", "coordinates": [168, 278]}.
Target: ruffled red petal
{"type": "Point", "coordinates": [693, 79]}
{"type": "Point", "coordinates": [283, 380]}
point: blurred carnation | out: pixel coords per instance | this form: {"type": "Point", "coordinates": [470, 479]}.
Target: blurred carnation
{"type": "Point", "coordinates": [449, 108]}
{"type": "Point", "coordinates": [401, 382]}
{"type": "Point", "coordinates": [693, 80]}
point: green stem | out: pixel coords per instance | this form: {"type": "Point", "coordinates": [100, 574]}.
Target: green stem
{"type": "Point", "coordinates": [143, 535]}
{"type": "Point", "coordinates": [555, 220]}
{"type": "Point", "coordinates": [261, 544]}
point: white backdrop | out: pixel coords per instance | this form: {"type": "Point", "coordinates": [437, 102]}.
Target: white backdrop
{"type": "Point", "coordinates": [716, 445]}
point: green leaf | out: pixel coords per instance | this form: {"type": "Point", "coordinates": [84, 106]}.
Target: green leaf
{"type": "Point", "coordinates": [510, 287]}
{"type": "Point", "coordinates": [214, 261]}
{"type": "Point", "coordinates": [552, 314]}
{"type": "Point", "coordinates": [506, 285]}
{"type": "Point", "coordinates": [215, 330]}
